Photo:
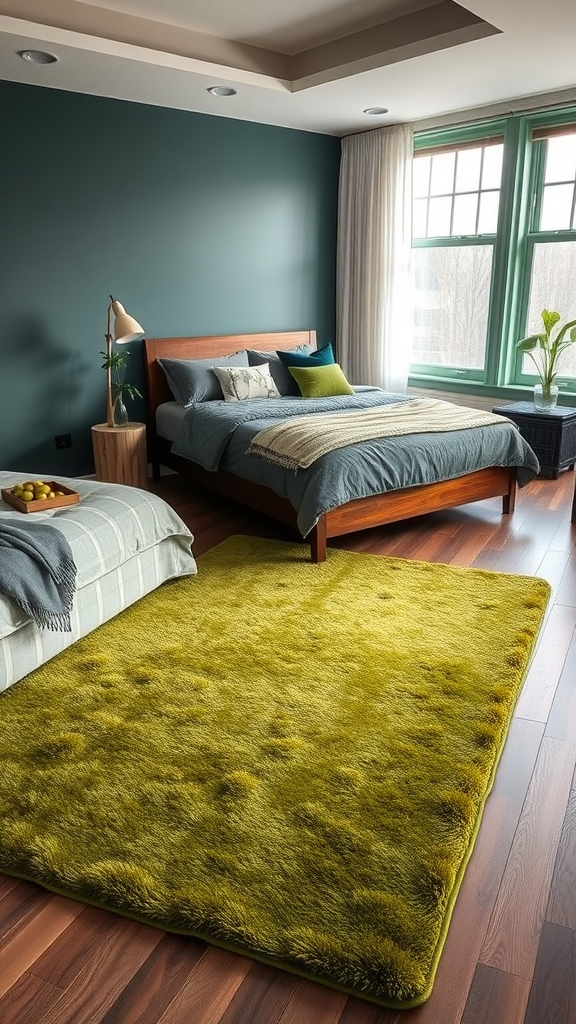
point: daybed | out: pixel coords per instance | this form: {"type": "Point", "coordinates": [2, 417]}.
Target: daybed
{"type": "Point", "coordinates": [125, 543]}
{"type": "Point", "coordinates": [373, 488]}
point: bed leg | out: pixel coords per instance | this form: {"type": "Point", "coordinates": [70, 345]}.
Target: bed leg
{"type": "Point", "coordinates": [509, 500]}
{"type": "Point", "coordinates": [318, 541]}
{"type": "Point", "coordinates": [156, 475]}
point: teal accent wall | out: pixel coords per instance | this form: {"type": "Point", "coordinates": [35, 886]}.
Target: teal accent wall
{"type": "Point", "coordinates": [208, 226]}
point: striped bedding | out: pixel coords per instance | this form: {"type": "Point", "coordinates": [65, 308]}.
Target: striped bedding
{"type": "Point", "coordinates": [125, 543]}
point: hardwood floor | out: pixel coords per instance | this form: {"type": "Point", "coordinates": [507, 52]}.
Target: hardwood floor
{"type": "Point", "coordinates": [510, 955]}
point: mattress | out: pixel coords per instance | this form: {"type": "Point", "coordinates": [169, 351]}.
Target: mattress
{"type": "Point", "coordinates": [169, 420]}
{"type": "Point", "coordinates": [125, 543]}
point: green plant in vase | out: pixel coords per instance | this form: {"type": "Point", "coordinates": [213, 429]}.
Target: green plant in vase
{"type": "Point", "coordinates": [545, 350]}
{"type": "Point", "coordinates": [114, 362]}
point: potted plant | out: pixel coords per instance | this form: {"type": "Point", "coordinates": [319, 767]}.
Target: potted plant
{"type": "Point", "coordinates": [114, 362]}
{"type": "Point", "coordinates": [545, 350]}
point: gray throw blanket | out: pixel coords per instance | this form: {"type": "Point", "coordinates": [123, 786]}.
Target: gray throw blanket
{"type": "Point", "coordinates": [37, 571]}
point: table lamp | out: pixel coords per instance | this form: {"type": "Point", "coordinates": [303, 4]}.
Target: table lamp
{"type": "Point", "coordinates": [126, 329]}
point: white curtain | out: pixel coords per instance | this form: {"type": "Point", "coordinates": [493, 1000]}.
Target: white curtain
{"type": "Point", "coordinates": [374, 317]}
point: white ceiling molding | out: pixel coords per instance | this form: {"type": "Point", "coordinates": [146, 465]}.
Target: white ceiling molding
{"type": "Point", "coordinates": [315, 65]}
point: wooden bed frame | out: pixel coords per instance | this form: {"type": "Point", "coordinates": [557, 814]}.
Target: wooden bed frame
{"type": "Point", "coordinates": [359, 514]}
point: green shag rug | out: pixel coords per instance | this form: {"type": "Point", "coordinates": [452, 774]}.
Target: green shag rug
{"type": "Point", "coordinates": [289, 760]}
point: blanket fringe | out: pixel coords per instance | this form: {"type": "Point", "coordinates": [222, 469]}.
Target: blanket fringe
{"type": "Point", "coordinates": [58, 622]}
{"type": "Point", "coordinates": [285, 461]}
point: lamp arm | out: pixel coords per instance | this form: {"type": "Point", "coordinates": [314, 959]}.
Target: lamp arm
{"type": "Point", "coordinates": [108, 336]}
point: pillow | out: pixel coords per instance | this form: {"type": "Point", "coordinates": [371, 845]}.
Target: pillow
{"type": "Point", "coordinates": [321, 357]}
{"type": "Point", "coordinates": [192, 380]}
{"type": "Point", "coordinates": [284, 382]}
{"type": "Point", "coordinates": [239, 383]}
{"type": "Point", "coordinates": [321, 381]}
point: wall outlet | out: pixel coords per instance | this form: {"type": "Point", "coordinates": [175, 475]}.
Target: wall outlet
{"type": "Point", "coordinates": [63, 441]}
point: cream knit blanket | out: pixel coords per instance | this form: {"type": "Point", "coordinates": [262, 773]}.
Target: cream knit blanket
{"type": "Point", "coordinates": [297, 443]}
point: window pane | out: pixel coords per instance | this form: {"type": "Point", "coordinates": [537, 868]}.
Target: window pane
{"type": "Point", "coordinates": [488, 217]}
{"type": "Point", "coordinates": [442, 179]}
{"type": "Point", "coordinates": [451, 297]}
{"type": "Point", "coordinates": [420, 175]}
{"type": "Point", "coordinates": [465, 209]}
{"type": "Point", "coordinates": [492, 166]}
{"type": "Point", "coordinates": [556, 207]}
{"type": "Point", "coordinates": [451, 182]}
{"type": "Point", "coordinates": [439, 216]}
{"type": "Point", "coordinates": [468, 170]}
{"type": "Point", "coordinates": [552, 287]}
{"type": "Point", "coordinates": [561, 159]}
{"type": "Point", "coordinates": [420, 211]}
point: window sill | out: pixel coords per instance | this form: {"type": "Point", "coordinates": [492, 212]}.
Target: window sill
{"type": "Point", "coordinates": [509, 392]}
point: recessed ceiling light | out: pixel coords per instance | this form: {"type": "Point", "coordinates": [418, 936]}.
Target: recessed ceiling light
{"type": "Point", "coordinates": [37, 56]}
{"type": "Point", "coordinates": [222, 90]}
{"type": "Point", "coordinates": [376, 110]}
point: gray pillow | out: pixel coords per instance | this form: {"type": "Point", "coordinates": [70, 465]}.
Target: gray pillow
{"type": "Point", "coordinates": [193, 380]}
{"type": "Point", "coordinates": [281, 375]}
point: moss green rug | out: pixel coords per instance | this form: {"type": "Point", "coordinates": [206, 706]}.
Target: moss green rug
{"type": "Point", "coordinates": [287, 759]}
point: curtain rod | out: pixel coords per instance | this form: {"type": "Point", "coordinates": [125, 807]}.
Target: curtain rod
{"type": "Point", "coordinates": [482, 115]}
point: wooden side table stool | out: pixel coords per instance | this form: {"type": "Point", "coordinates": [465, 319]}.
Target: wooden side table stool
{"type": "Point", "coordinates": [120, 454]}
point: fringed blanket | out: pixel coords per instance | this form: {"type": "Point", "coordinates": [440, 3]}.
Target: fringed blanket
{"type": "Point", "coordinates": [298, 442]}
{"type": "Point", "coordinates": [37, 571]}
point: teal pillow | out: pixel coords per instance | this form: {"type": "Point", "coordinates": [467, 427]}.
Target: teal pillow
{"type": "Point", "coordinates": [321, 381]}
{"type": "Point", "coordinates": [321, 357]}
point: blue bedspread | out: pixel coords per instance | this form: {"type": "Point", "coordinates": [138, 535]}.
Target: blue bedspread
{"type": "Point", "coordinates": [217, 434]}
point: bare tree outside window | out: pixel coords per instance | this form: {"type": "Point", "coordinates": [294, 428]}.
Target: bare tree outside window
{"type": "Point", "coordinates": [451, 296]}
{"type": "Point", "coordinates": [492, 250]}
{"type": "Point", "coordinates": [456, 195]}
{"type": "Point", "coordinates": [553, 286]}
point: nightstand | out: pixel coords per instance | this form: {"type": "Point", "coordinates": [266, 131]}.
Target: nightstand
{"type": "Point", "coordinates": [120, 454]}
{"type": "Point", "coordinates": [552, 435]}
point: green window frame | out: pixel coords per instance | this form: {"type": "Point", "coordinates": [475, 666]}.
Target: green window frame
{"type": "Point", "coordinates": [513, 245]}
{"type": "Point", "coordinates": [536, 236]}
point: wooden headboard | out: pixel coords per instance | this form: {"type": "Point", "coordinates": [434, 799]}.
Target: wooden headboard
{"type": "Point", "coordinates": [157, 389]}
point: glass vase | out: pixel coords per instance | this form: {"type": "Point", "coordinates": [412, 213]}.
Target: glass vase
{"type": "Point", "coordinates": [119, 412]}
{"type": "Point", "coordinates": [545, 397]}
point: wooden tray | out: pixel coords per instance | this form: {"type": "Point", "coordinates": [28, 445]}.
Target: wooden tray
{"type": "Point", "coordinates": [68, 497]}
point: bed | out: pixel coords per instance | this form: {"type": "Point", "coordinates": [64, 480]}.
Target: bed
{"type": "Point", "coordinates": [125, 543]}
{"type": "Point", "coordinates": [252, 483]}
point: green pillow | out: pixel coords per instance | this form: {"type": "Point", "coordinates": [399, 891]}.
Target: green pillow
{"type": "Point", "coordinates": [321, 381]}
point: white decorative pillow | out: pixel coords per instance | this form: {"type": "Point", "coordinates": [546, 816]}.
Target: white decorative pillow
{"type": "Point", "coordinates": [239, 383]}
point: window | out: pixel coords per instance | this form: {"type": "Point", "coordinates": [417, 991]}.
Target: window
{"type": "Point", "coordinates": [494, 243]}
{"type": "Point", "coordinates": [455, 215]}
{"type": "Point", "coordinates": [551, 240]}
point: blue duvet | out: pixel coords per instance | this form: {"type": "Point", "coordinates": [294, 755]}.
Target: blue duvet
{"type": "Point", "coordinates": [217, 434]}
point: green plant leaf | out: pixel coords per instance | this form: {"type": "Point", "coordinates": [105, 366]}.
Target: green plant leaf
{"type": "Point", "coordinates": [549, 318]}
{"type": "Point", "coordinates": [126, 390]}
{"type": "Point", "coordinates": [548, 348]}
{"type": "Point", "coordinates": [525, 344]}
{"type": "Point", "coordinates": [114, 361]}
{"type": "Point", "coordinates": [569, 327]}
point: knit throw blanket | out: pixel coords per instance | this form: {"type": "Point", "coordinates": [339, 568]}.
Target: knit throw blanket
{"type": "Point", "coordinates": [37, 571]}
{"type": "Point", "coordinates": [297, 443]}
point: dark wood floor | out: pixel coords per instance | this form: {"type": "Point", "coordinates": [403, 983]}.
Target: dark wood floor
{"type": "Point", "coordinates": [510, 956]}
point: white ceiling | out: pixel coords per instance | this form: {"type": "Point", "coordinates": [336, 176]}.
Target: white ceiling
{"type": "Point", "coordinates": [308, 64]}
